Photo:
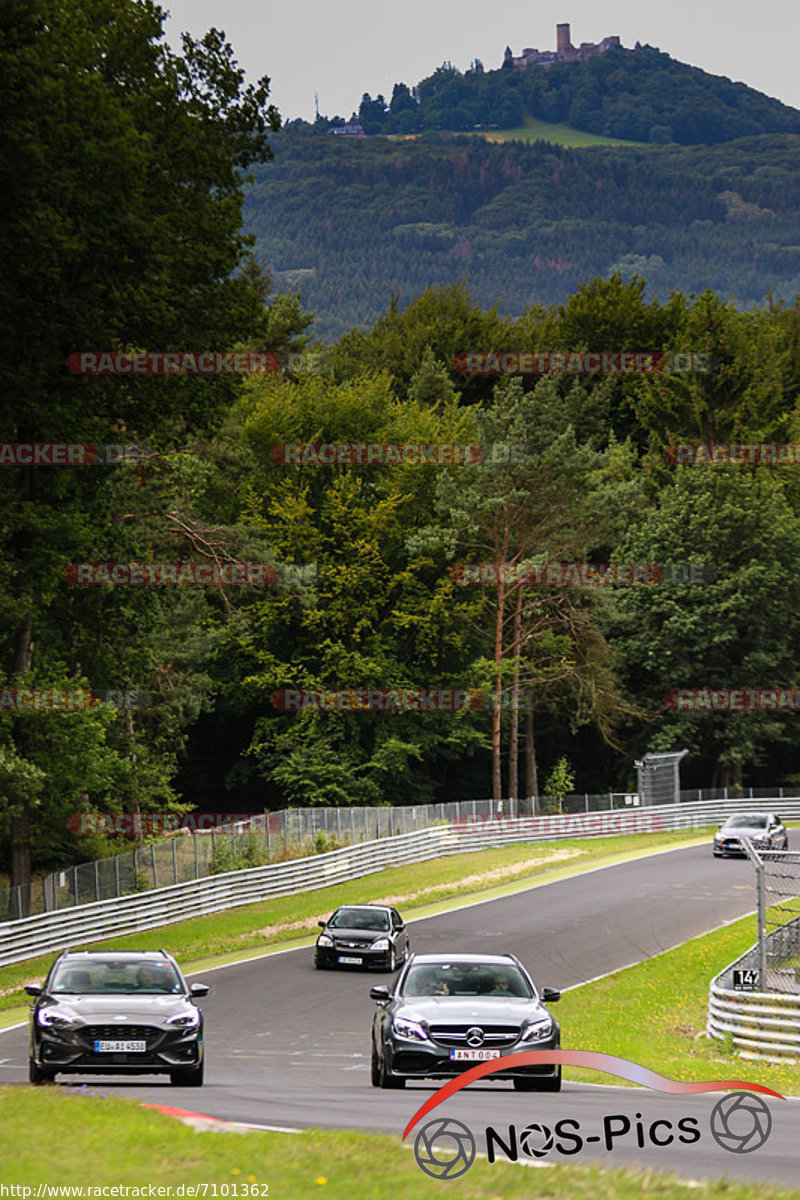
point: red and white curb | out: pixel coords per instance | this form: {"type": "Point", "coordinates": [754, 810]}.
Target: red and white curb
{"type": "Point", "coordinates": [205, 1123]}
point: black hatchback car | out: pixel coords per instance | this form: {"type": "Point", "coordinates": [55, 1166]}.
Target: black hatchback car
{"type": "Point", "coordinates": [116, 1013]}
{"type": "Point", "coordinates": [448, 1012]}
{"type": "Point", "coordinates": [362, 935]}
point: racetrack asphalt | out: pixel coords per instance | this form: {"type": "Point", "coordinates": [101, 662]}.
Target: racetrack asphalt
{"type": "Point", "coordinates": [288, 1046]}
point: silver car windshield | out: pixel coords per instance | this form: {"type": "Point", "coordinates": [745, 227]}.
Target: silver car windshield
{"type": "Point", "coordinates": [466, 979]}
{"type": "Point", "coordinates": [745, 821]}
{"type": "Point", "coordinates": [98, 977]}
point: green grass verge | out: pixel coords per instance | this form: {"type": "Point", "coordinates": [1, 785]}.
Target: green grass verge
{"type": "Point", "coordinates": [221, 937]}
{"type": "Point", "coordinates": [70, 1140]}
{"type": "Point", "coordinates": [561, 135]}
{"type": "Point", "coordinates": [653, 1013]}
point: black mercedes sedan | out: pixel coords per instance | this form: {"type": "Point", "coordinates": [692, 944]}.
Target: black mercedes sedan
{"type": "Point", "coordinates": [116, 1012]}
{"type": "Point", "coordinates": [362, 935]}
{"type": "Point", "coordinates": [448, 1012]}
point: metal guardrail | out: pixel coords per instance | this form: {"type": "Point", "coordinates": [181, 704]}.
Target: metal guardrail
{"type": "Point", "coordinates": [762, 1025]}
{"type": "Point", "coordinates": [105, 919]}
{"type": "Point", "coordinates": [180, 859]}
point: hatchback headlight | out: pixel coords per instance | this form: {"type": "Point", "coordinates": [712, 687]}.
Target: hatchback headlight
{"type": "Point", "coordinates": [412, 1031]}
{"type": "Point", "coordinates": [381, 944]}
{"type": "Point", "coordinates": [324, 940]}
{"type": "Point", "coordinates": [186, 1020]}
{"type": "Point", "coordinates": [538, 1030]}
{"type": "Point", "coordinates": [51, 1018]}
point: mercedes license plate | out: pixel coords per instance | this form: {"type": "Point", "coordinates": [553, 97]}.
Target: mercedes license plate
{"type": "Point", "coordinates": [120, 1047]}
{"type": "Point", "coordinates": [473, 1055]}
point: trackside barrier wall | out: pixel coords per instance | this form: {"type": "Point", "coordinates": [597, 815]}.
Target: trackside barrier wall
{"type": "Point", "coordinates": [763, 1025]}
{"type": "Point", "coordinates": [204, 847]}
{"type": "Point", "coordinates": [104, 919]}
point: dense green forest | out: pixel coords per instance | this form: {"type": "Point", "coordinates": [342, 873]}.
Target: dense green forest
{"type": "Point", "coordinates": [350, 223]}
{"type": "Point", "coordinates": [124, 234]}
{"type": "Point", "coordinates": [641, 95]}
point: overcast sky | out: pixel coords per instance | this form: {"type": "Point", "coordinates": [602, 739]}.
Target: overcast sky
{"type": "Point", "coordinates": [342, 50]}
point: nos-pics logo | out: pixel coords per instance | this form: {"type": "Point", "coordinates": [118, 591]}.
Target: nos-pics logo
{"type": "Point", "coordinates": [445, 1148]}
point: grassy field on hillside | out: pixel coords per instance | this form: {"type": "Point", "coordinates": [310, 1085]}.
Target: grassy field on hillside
{"type": "Point", "coordinates": [562, 135]}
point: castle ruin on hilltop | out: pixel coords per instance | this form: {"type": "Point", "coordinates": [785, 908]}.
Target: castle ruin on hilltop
{"type": "Point", "coordinates": [564, 52]}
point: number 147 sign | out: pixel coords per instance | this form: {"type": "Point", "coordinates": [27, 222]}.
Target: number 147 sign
{"type": "Point", "coordinates": [745, 980]}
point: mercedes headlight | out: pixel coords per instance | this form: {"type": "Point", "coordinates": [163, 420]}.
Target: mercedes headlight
{"type": "Point", "coordinates": [538, 1030]}
{"type": "Point", "coordinates": [324, 940]}
{"type": "Point", "coordinates": [187, 1020]}
{"type": "Point", "coordinates": [412, 1031]}
{"type": "Point", "coordinates": [381, 944]}
{"type": "Point", "coordinates": [52, 1019]}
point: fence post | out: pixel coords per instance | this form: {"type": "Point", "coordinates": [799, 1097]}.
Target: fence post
{"type": "Point", "coordinates": [96, 881]}
{"type": "Point", "coordinates": [20, 913]}
{"type": "Point", "coordinates": [196, 863]}
{"type": "Point", "coordinates": [174, 860]}
{"type": "Point", "coordinates": [586, 801]}
{"type": "Point", "coordinates": [75, 882]}
{"type": "Point", "coordinates": [116, 874]}
{"type": "Point", "coordinates": [153, 863]}
{"type": "Point", "coordinates": [762, 927]}
{"type": "Point", "coordinates": [135, 868]}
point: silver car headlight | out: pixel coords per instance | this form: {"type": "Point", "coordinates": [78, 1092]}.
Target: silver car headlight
{"type": "Point", "coordinates": [324, 940]}
{"type": "Point", "coordinates": [411, 1031]}
{"type": "Point", "coordinates": [52, 1019]}
{"type": "Point", "coordinates": [537, 1030]}
{"type": "Point", "coordinates": [186, 1020]}
{"type": "Point", "coordinates": [381, 944]}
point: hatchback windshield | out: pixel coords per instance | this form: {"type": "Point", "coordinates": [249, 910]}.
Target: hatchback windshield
{"type": "Point", "coordinates": [465, 979]}
{"type": "Point", "coordinates": [107, 978]}
{"type": "Point", "coordinates": [359, 918]}
{"type": "Point", "coordinates": [747, 821]}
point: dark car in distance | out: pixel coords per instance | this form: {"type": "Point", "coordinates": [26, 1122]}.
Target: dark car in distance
{"type": "Point", "coordinates": [116, 1012]}
{"type": "Point", "coordinates": [765, 830]}
{"type": "Point", "coordinates": [448, 1012]}
{"type": "Point", "coordinates": [362, 935]}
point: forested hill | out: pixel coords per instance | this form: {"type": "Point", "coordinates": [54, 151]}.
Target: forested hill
{"type": "Point", "coordinates": [349, 222]}
{"type": "Point", "coordinates": [641, 95]}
